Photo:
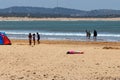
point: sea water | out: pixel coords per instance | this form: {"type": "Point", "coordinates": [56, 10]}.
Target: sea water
{"type": "Point", "coordinates": [62, 30]}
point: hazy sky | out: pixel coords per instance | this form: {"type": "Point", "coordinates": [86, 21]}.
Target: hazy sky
{"type": "Point", "coordinates": [74, 4]}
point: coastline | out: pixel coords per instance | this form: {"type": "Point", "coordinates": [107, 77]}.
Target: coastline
{"type": "Point", "coordinates": [49, 61]}
{"type": "Point", "coordinates": [56, 19]}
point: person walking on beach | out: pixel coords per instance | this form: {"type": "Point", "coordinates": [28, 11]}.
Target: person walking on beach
{"type": "Point", "coordinates": [38, 38]}
{"type": "Point", "coordinates": [30, 38]}
{"type": "Point", "coordinates": [95, 34]}
{"type": "Point", "coordinates": [34, 39]}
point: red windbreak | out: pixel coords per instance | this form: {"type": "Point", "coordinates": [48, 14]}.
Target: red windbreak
{"type": "Point", "coordinates": [6, 40]}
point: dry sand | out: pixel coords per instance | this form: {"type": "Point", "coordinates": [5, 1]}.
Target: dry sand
{"type": "Point", "coordinates": [56, 19]}
{"type": "Point", "coordinates": [49, 61]}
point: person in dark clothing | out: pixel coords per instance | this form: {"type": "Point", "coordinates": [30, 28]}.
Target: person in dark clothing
{"type": "Point", "coordinates": [95, 34]}
{"type": "Point", "coordinates": [88, 34]}
{"type": "Point", "coordinates": [30, 38]}
{"type": "Point", "coordinates": [38, 38]}
{"type": "Point", "coordinates": [34, 39]}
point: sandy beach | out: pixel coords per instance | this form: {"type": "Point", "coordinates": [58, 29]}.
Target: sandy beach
{"type": "Point", "coordinates": [49, 61]}
{"type": "Point", "coordinates": [56, 19]}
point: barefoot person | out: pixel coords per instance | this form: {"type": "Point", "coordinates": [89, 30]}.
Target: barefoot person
{"type": "Point", "coordinates": [95, 34]}
{"type": "Point", "coordinates": [38, 38]}
{"type": "Point", "coordinates": [30, 38]}
{"type": "Point", "coordinates": [74, 52]}
{"type": "Point", "coordinates": [34, 39]}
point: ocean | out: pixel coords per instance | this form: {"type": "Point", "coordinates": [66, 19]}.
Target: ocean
{"type": "Point", "coordinates": [62, 30]}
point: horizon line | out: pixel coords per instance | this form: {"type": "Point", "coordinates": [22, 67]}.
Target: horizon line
{"type": "Point", "coordinates": [61, 7]}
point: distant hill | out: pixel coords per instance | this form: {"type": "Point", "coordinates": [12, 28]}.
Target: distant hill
{"type": "Point", "coordinates": [56, 12]}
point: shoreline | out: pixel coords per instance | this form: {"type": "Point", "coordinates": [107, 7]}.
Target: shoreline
{"type": "Point", "coordinates": [56, 19]}
{"type": "Point", "coordinates": [68, 42]}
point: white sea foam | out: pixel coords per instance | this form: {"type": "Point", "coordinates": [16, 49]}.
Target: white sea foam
{"type": "Point", "coordinates": [109, 35]}
{"type": "Point", "coordinates": [72, 30]}
{"type": "Point", "coordinates": [61, 34]}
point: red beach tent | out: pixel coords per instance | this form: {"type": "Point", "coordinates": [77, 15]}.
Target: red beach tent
{"type": "Point", "coordinates": [4, 40]}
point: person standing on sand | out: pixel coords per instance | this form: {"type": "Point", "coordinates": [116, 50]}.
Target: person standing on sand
{"type": "Point", "coordinates": [34, 39]}
{"type": "Point", "coordinates": [38, 38]}
{"type": "Point", "coordinates": [30, 38]}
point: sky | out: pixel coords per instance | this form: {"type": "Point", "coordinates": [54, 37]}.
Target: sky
{"type": "Point", "coordinates": [73, 4]}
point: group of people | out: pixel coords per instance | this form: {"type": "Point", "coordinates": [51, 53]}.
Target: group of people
{"type": "Point", "coordinates": [33, 37]}
{"type": "Point", "coordinates": [88, 34]}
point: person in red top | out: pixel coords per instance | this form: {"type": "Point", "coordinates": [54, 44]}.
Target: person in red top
{"type": "Point", "coordinates": [74, 52]}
